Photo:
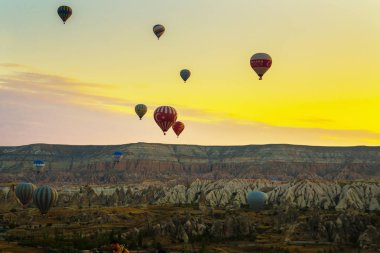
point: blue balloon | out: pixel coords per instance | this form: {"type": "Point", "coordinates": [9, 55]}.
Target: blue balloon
{"type": "Point", "coordinates": [39, 162]}
{"type": "Point", "coordinates": [38, 165]}
{"type": "Point", "coordinates": [117, 155]}
{"type": "Point", "coordinates": [256, 200]}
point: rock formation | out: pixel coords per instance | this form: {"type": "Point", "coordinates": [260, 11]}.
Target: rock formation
{"type": "Point", "coordinates": [183, 163]}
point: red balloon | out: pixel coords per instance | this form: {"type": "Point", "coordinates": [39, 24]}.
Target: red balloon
{"type": "Point", "coordinates": [165, 117]}
{"type": "Point", "coordinates": [178, 127]}
{"type": "Point", "coordinates": [260, 63]}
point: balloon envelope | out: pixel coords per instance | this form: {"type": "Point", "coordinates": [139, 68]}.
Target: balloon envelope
{"type": "Point", "coordinates": [158, 30]}
{"type": "Point", "coordinates": [44, 198]}
{"type": "Point", "coordinates": [117, 155]}
{"type": "Point", "coordinates": [165, 117]}
{"type": "Point", "coordinates": [260, 63]}
{"type": "Point", "coordinates": [38, 165]}
{"type": "Point", "coordinates": [24, 193]}
{"type": "Point", "coordinates": [64, 13]}
{"type": "Point", "coordinates": [140, 110]}
{"type": "Point", "coordinates": [178, 127]}
{"type": "Point", "coordinates": [256, 200]}
{"type": "Point", "coordinates": [185, 74]}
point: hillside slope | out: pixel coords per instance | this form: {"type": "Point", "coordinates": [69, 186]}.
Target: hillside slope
{"type": "Point", "coordinates": [143, 161]}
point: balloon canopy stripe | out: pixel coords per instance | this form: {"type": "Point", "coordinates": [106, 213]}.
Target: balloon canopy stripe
{"type": "Point", "coordinates": [44, 197]}
{"type": "Point", "coordinates": [24, 192]}
{"type": "Point", "coordinates": [261, 63]}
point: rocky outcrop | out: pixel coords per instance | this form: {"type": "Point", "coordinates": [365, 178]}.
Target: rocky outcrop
{"type": "Point", "coordinates": [182, 163]}
{"type": "Point", "coordinates": [230, 194]}
{"type": "Point", "coordinates": [345, 228]}
{"type": "Point", "coordinates": [370, 238]}
{"type": "Point", "coordinates": [306, 194]}
{"type": "Point", "coordinates": [363, 196]}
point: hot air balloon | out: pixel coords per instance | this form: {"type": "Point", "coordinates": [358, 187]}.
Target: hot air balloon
{"type": "Point", "coordinates": [24, 193]}
{"type": "Point", "coordinates": [256, 200]}
{"type": "Point", "coordinates": [44, 198]}
{"type": "Point", "coordinates": [140, 110]}
{"type": "Point", "coordinates": [185, 74]}
{"type": "Point", "coordinates": [260, 63]}
{"type": "Point", "coordinates": [178, 127]}
{"type": "Point", "coordinates": [165, 117]}
{"type": "Point", "coordinates": [158, 30]}
{"type": "Point", "coordinates": [64, 12]}
{"type": "Point", "coordinates": [38, 165]}
{"type": "Point", "coordinates": [117, 155]}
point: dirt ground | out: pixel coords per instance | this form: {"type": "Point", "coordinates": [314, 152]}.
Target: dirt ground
{"type": "Point", "coordinates": [6, 247]}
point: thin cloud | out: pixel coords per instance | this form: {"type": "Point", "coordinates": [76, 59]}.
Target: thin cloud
{"type": "Point", "coordinates": [12, 65]}
{"type": "Point", "coordinates": [59, 89]}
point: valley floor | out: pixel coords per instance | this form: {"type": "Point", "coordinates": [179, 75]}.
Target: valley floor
{"type": "Point", "coordinates": [179, 229]}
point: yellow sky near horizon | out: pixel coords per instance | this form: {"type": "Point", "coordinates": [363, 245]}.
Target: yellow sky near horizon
{"type": "Point", "coordinates": [324, 80]}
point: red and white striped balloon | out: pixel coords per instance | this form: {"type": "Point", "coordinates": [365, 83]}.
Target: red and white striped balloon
{"type": "Point", "coordinates": [260, 63]}
{"type": "Point", "coordinates": [165, 117]}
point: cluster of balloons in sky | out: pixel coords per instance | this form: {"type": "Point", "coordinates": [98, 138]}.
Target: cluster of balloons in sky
{"type": "Point", "coordinates": [260, 62]}
{"type": "Point", "coordinates": [165, 116]}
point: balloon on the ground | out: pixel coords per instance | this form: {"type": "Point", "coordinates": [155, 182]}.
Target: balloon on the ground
{"type": "Point", "coordinates": [140, 110]}
{"type": "Point", "coordinates": [44, 198]}
{"type": "Point", "coordinates": [117, 155]}
{"type": "Point", "coordinates": [256, 200]}
{"type": "Point", "coordinates": [185, 74]}
{"type": "Point", "coordinates": [24, 193]}
{"type": "Point", "coordinates": [178, 127]}
{"type": "Point", "coordinates": [64, 13]}
{"type": "Point", "coordinates": [158, 30]}
{"type": "Point", "coordinates": [165, 117]}
{"type": "Point", "coordinates": [38, 165]}
{"type": "Point", "coordinates": [260, 63]}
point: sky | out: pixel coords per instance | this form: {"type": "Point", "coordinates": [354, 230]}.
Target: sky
{"type": "Point", "coordinates": [78, 83]}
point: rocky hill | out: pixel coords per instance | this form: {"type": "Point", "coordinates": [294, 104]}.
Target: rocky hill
{"type": "Point", "coordinates": [93, 164]}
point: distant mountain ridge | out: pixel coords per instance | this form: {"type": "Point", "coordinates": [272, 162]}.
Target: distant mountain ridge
{"type": "Point", "coordinates": [166, 162]}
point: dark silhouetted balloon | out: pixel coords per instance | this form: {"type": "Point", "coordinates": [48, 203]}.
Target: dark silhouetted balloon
{"type": "Point", "coordinates": [140, 110]}
{"type": "Point", "coordinates": [44, 198]}
{"type": "Point", "coordinates": [185, 74]}
{"type": "Point", "coordinates": [158, 30]}
{"type": "Point", "coordinates": [64, 13]}
{"type": "Point", "coordinates": [24, 193]}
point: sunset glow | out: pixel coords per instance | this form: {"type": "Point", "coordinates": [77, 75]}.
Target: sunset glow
{"type": "Point", "coordinates": [78, 83]}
